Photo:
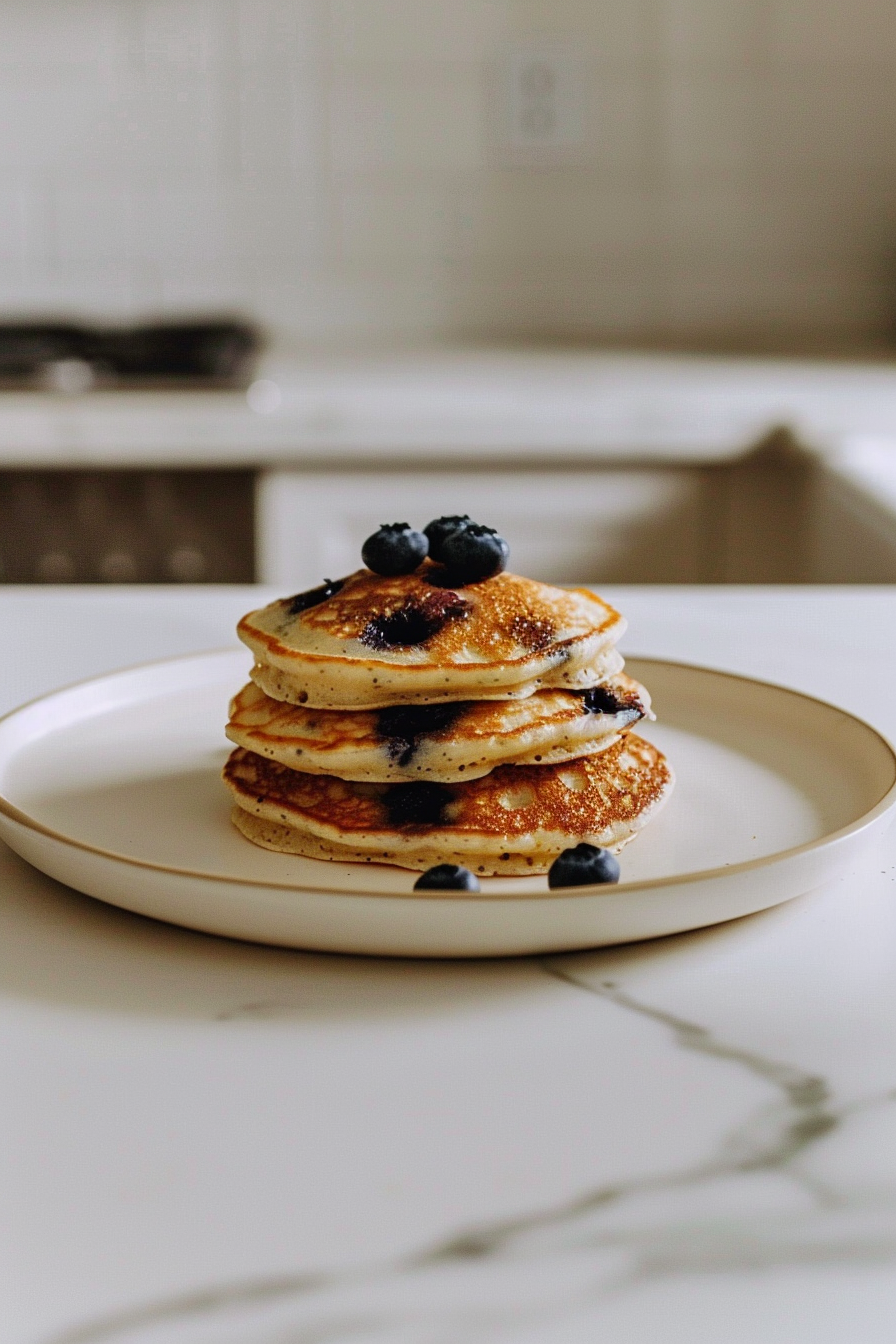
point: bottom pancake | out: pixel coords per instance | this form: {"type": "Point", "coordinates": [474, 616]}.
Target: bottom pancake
{"type": "Point", "coordinates": [515, 820]}
{"type": "Point", "coordinates": [287, 840]}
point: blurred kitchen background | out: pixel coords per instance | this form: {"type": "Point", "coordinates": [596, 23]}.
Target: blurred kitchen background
{"type": "Point", "coordinates": [618, 276]}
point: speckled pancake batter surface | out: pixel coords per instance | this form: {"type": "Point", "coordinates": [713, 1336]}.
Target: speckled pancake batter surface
{"type": "Point", "coordinates": [375, 642]}
{"type": "Point", "coordinates": [434, 711]}
{"type": "Point", "coordinates": [448, 742]}
{"type": "Point", "coordinates": [516, 819]}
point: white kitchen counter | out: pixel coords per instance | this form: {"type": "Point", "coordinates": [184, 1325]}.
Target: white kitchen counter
{"type": "Point", "coordinates": [458, 405]}
{"type": "Point", "coordinates": [329, 435]}
{"type": "Point", "coordinates": [203, 1142]}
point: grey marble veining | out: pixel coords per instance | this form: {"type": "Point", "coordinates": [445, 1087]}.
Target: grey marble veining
{"type": "Point", "coordinates": [750, 1205]}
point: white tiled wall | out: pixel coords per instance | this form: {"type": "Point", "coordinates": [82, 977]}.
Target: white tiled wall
{"type": "Point", "coordinates": [336, 166]}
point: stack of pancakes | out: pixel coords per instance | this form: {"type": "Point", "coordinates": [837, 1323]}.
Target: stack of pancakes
{"type": "Point", "coordinates": [396, 720]}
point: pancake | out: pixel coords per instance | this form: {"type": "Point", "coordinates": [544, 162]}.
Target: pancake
{"type": "Point", "coordinates": [450, 742]}
{"type": "Point", "coordinates": [368, 642]}
{"type": "Point", "coordinates": [515, 820]}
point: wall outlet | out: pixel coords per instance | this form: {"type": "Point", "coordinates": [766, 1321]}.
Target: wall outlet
{"type": "Point", "coordinates": [544, 105]}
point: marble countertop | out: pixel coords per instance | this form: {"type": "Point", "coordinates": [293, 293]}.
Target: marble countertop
{"type": "Point", "coordinates": [458, 404]}
{"type": "Point", "coordinates": [203, 1142]}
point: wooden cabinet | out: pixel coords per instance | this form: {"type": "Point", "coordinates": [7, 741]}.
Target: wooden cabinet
{"type": "Point", "coordinates": [126, 525]}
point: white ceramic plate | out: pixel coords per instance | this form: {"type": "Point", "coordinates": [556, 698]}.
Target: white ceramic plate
{"type": "Point", "coordinates": [113, 787]}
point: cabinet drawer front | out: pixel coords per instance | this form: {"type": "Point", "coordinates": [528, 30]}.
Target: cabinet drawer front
{"type": "Point", "coordinates": [635, 526]}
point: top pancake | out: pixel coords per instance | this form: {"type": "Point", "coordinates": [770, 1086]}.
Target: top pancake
{"type": "Point", "coordinates": [386, 641]}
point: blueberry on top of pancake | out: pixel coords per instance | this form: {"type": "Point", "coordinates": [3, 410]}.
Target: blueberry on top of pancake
{"type": "Point", "coordinates": [394, 549]}
{"type": "Point", "coordinates": [473, 553]}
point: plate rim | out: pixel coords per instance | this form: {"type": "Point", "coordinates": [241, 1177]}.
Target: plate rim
{"type": "Point", "coordinates": [884, 804]}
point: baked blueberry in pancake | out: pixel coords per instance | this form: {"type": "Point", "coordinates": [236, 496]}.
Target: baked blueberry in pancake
{"type": "Point", "coordinates": [517, 819]}
{"type": "Point", "coordinates": [378, 641]}
{"type": "Point", "coordinates": [447, 742]}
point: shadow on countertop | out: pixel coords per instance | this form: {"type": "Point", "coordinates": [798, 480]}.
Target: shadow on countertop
{"type": "Point", "coordinates": [69, 950]}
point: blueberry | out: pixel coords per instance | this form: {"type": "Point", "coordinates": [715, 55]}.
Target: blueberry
{"type": "Point", "coordinates": [473, 553]}
{"type": "Point", "coordinates": [314, 596]}
{"type": "Point", "coordinates": [440, 528]}
{"type": "Point", "coordinates": [395, 549]}
{"type": "Point", "coordinates": [416, 621]}
{"type": "Point", "coordinates": [581, 866]}
{"type": "Point", "coordinates": [422, 804]}
{"type": "Point", "coordinates": [603, 700]}
{"type": "Point", "coordinates": [447, 877]}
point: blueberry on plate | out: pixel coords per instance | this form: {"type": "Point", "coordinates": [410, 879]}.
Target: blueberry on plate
{"type": "Point", "coordinates": [583, 865]}
{"type": "Point", "coordinates": [395, 549]}
{"type": "Point", "coordinates": [440, 528]}
{"type": "Point", "coordinates": [447, 877]}
{"type": "Point", "coordinates": [473, 553]}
